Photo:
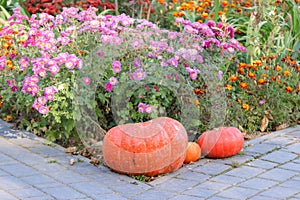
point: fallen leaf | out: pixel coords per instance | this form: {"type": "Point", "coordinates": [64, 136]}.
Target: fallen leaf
{"type": "Point", "coordinates": [269, 115]}
{"type": "Point", "coordinates": [70, 149]}
{"type": "Point", "coordinates": [264, 123]}
{"type": "Point", "coordinates": [282, 126]}
{"type": "Point", "coordinates": [72, 161]}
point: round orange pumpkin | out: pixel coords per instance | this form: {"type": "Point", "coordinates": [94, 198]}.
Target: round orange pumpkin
{"type": "Point", "coordinates": [193, 152]}
{"type": "Point", "coordinates": [221, 142]}
{"type": "Point", "coordinates": [154, 147]}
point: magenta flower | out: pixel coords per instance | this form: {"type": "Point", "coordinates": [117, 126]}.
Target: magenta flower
{"type": "Point", "coordinates": [220, 75]}
{"type": "Point", "coordinates": [54, 69]}
{"type": "Point", "coordinates": [2, 62]}
{"type": "Point", "coordinates": [172, 35]}
{"type": "Point", "coordinates": [261, 102]}
{"type": "Point", "coordinates": [156, 88]}
{"type": "Point", "coordinates": [70, 64]}
{"type": "Point", "coordinates": [14, 88]}
{"type": "Point", "coordinates": [136, 44]}
{"type": "Point", "coordinates": [100, 53]}
{"type": "Point", "coordinates": [116, 66]}
{"type": "Point", "coordinates": [42, 100]}
{"type": "Point", "coordinates": [108, 87]}
{"type": "Point", "coordinates": [50, 90]}
{"type": "Point", "coordinates": [141, 107]}
{"type": "Point", "coordinates": [49, 97]}
{"type": "Point", "coordinates": [113, 81]}
{"type": "Point", "coordinates": [86, 80]}
{"type": "Point", "coordinates": [11, 82]}
{"type": "Point", "coordinates": [173, 62]}
{"type": "Point", "coordinates": [148, 109]}
{"type": "Point", "coordinates": [43, 110]}
{"type": "Point", "coordinates": [137, 63]}
{"type": "Point", "coordinates": [138, 75]}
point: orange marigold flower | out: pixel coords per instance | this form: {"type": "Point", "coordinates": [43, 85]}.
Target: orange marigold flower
{"type": "Point", "coordinates": [266, 67]}
{"type": "Point", "coordinates": [252, 75]}
{"type": "Point", "coordinates": [241, 70]}
{"type": "Point", "coordinates": [204, 15]}
{"type": "Point", "coordinates": [244, 85]}
{"type": "Point", "coordinates": [233, 5]}
{"type": "Point", "coordinates": [199, 91]}
{"type": "Point", "coordinates": [228, 87]}
{"type": "Point", "coordinates": [264, 75]}
{"type": "Point", "coordinates": [246, 106]}
{"type": "Point", "coordinates": [178, 14]}
{"type": "Point", "coordinates": [1, 103]}
{"type": "Point", "coordinates": [221, 13]}
{"type": "Point", "coordinates": [9, 118]}
{"type": "Point", "coordinates": [233, 78]}
{"type": "Point", "coordinates": [273, 78]}
{"type": "Point", "coordinates": [286, 73]}
{"type": "Point", "coordinates": [261, 81]}
{"type": "Point", "coordinates": [288, 89]}
{"type": "Point", "coordinates": [247, 4]}
{"type": "Point", "coordinates": [242, 65]}
{"type": "Point", "coordinates": [298, 89]}
{"type": "Point", "coordinates": [278, 68]}
{"type": "Point", "coordinates": [278, 81]}
{"type": "Point", "coordinates": [239, 100]}
{"type": "Point", "coordinates": [225, 3]}
{"type": "Point", "coordinates": [257, 62]}
{"type": "Point", "coordinates": [298, 68]}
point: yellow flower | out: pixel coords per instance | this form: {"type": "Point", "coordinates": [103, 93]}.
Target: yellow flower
{"type": "Point", "coordinates": [286, 73]}
{"type": "Point", "coordinates": [228, 87]}
{"type": "Point", "coordinates": [246, 106]}
{"type": "Point", "coordinates": [278, 68]}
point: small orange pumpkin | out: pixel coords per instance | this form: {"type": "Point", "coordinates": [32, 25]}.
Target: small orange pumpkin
{"type": "Point", "coordinates": [193, 152]}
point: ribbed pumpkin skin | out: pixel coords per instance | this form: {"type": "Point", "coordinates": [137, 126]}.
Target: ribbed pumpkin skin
{"type": "Point", "coordinates": [150, 148]}
{"type": "Point", "coordinates": [221, 143]}
{"type": "Point", "coordinates": [193, 152]}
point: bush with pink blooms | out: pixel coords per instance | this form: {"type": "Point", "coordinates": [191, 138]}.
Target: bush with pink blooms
{"type": "Point", "coordinates": [115, 58]}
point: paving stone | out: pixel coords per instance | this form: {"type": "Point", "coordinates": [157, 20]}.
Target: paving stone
{"type": "Point", "coordinates": [91, 187]}
{"type": "Point", "coordinates": [245, 172]}
{"type": "Point", "coordinates": [30, 158]}
{"type": "Point", "coordinates": [214, 185]}
{"type": "Point", "coordinates": [44, 197]}
{"type": "Point", "coordinates": [67, 176]}
{"type": "Point", "coordinates": [2, 173]}
{"type": "Point", "coordinates": [200, 192]}
{"type": "Point", "coordinates": [258, 183]}
{"type": "Point", "coordinates": [11, 182]}
{"type": "Point", "coordinates": [53, 184]}
{"type": "Point", "coordinates": [47, 151]}
{"type": "Point", "coordinates": [26, 193]}
{"type": "Point", "coordinates": [212, 168]}
{"type": "Point", "coordinates": [37, 180]}
{"type": "Point", "coordinates": [182, 197]}
{"type": "Point", "coordinates": [6, 196]}
{"type": "Point", "coordinates": [238, 193]}
{"type": "Point", "coordinates": [153, 194]}
{"type": "Point", "coordinates": [19, 170]}
{"type": "Point", "coordinates": [63, 193]}
{"type": "Point", "coordinates": [177, 185]}
{"type": "Point", "coordinates": [280, 192]}
{"type": "Point", "coordinates": [292, 183]}
{"type": "Point", "coordinates": [25, 142]}
{"type": "Point", "coordinates": [85, 168]}
{"type": "Point", "coordinates": [261, 148]}
{"type": "Point", "coordinates": [129, 190]}
{"type": "Point", "coordinates": [280, 141]}
{"type": "Point", "coordinates": [227, 179]}
{"type": "Point", "coordinates": [260, 197]}
{"type": "Point", "coordinates": [279, 156]}
{"type": "Point", "coordinates": [295, 134]}
{"type": "Point", "coordinates": [291, 166]}
{"type": "Point", "coordinates": [191, 175]}
{"type": "Point", "coordinates": [262, 164]}
{"type": "Point", "coordinates": [5, 160]}
{"type": "Point", "coordinates": [295, 148]}
{"type": "Point", "coordinates": [278, 174]}
{"type": "Point", "coordinates": [108, 196]}
{"type": "Point", "coordinates": [48, 167]}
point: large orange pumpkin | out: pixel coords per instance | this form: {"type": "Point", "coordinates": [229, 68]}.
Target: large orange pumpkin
{"type": "Point", "coordinates": [150, 148]}
{"type": "Point", "coordinates": [221, 143]}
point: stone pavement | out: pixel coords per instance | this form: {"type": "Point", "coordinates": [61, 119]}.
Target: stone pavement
{"type": "Point", "coordinates": [267, 168]}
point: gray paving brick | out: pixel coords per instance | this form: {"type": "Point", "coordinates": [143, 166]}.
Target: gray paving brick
{"type": "Point", "coordinates": [53, 184]}
{"type": "Point", "coordinates": [260, 197]}
{"type": "Point", "coordinates": [280, 141]}
{"type": "Point", "coordinates": [85, 168]}
{"type": "Point", "coordinates": [295, 134]}
{"type": "Point", "coordinates": [19, 170]}
{"type": "Point", "coordinates": [63, 193]}
{"type": "Point", "coordinates": [212, 168]}
{"type": "Point", "coordinates": [47, 151]}
{"type": "Point", "coordinates": [295, 148]}
{"type": "Point", "coordinates": [279, 156]}
{"type": "Point", "coordinates": [153, 194]}
{"type": "Point", "coordinates": [47, 167]}
{"type": "Point", "coordinates": [258, 183]}
{"type": "Point", "coordinates": [292, 183]}
{"type": "Point", "coordinates": [5, 160]}
{"type": "Point", "coordinates": [68, 176]}
{"type": "Point", "coordinates": [25, 142]}
{"type": "Point", "coordinates": [130, 190]}
{"type": "Point", "coordinates": [30, 158]}
{"type": "Point", "coordinates": [280, 192]}
{"type": "Point", "coordinates": [200, 192]}
{"type": "Point", "coordinates": [26, 193]}
{"type": "Point", "coordinates": [91, 187]}
{"type": "Point", "coordinates": [177, 185]}
{"type": "Point", "coordinates": [44, 197]}
{"type": "Point", "coordinates": [37, 179]}
{"type": "Point", "coordinates": [214, 185]}
{"type": "Point", "coordinates": [278, 174]}
{"type": "Point", "coordinates": [245, 172]}
{"type": "Point", "coordinates": [262, 164]}
{"type": "Point", "coordinates": [6, 196]}
{"type": "Point", "coordinates": [261, 148]}
{"type": "Point", "coordinates": [191, 175]}
{"type": "Point", "coordinates": [108, 196]}
{"type": "Point", "coordinates": [238, 193]}
{"type": "Point", "coordinates": [291, 166]}
{"type": "Point", "coordinates": [11, 182]}
{"type": "Point", "coordinates": [2, 173]}
{"type": "Point", "coordinates": [183, 197]}
{"type": "Point", "coordinates": [223, 178]}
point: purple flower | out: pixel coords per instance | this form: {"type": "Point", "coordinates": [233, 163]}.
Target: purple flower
{"type": "Point", "coordinates": [199, 59]}
{"type": "Point", "coordinates": [141, 107]}
{"type": "Point", "coordinates": [261, 102]}
{"type": "Point", "coordinates": [54, 69]}
{"type": "Point", "coordinates": [193, 72]}
{"type": "Point", "coordinates": [136, 44]}
{"type": "Point", "coordinates": [49, 97]}
{"type": "Point", "coordinates": [50, 90]}
{"type": "Point", "coordinates": [113, 81]}
{"type": "Point", "coordinates": [172, 35]}
{"type": "Point", "coordinates": [43, 110]}
{"type": "Point", "coordinates": [86, 80]}
{"type": "Point", "coordinates": [14, 88]}
{"type": "Point", "coordinates": [2, 62]}
{"type": "Point", "coordinates": [156, 88]}
{"type": "Point", "coordinates": [137, 63]}
{"type": "Point", "coordinates": [100, 53]}
{"type": "Point", "coordinates": [116, 66]}
{"type": "Point", "coordinates": [148, 109]}
{"type": "Point", "coordinates": [220, 75]}
{"type": "Point", "coordinates": [108, 86]}
{"type": "Point", "coordinates": [138, 75]}
{"type": "Point", "coordinates": [173, 62]}
{"type": "Point", "coordinates": [11, 82]}
{"type": "Point", "coordinates": [42, 100]}
{"type": "Point", "coordinates": [189, 29]}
